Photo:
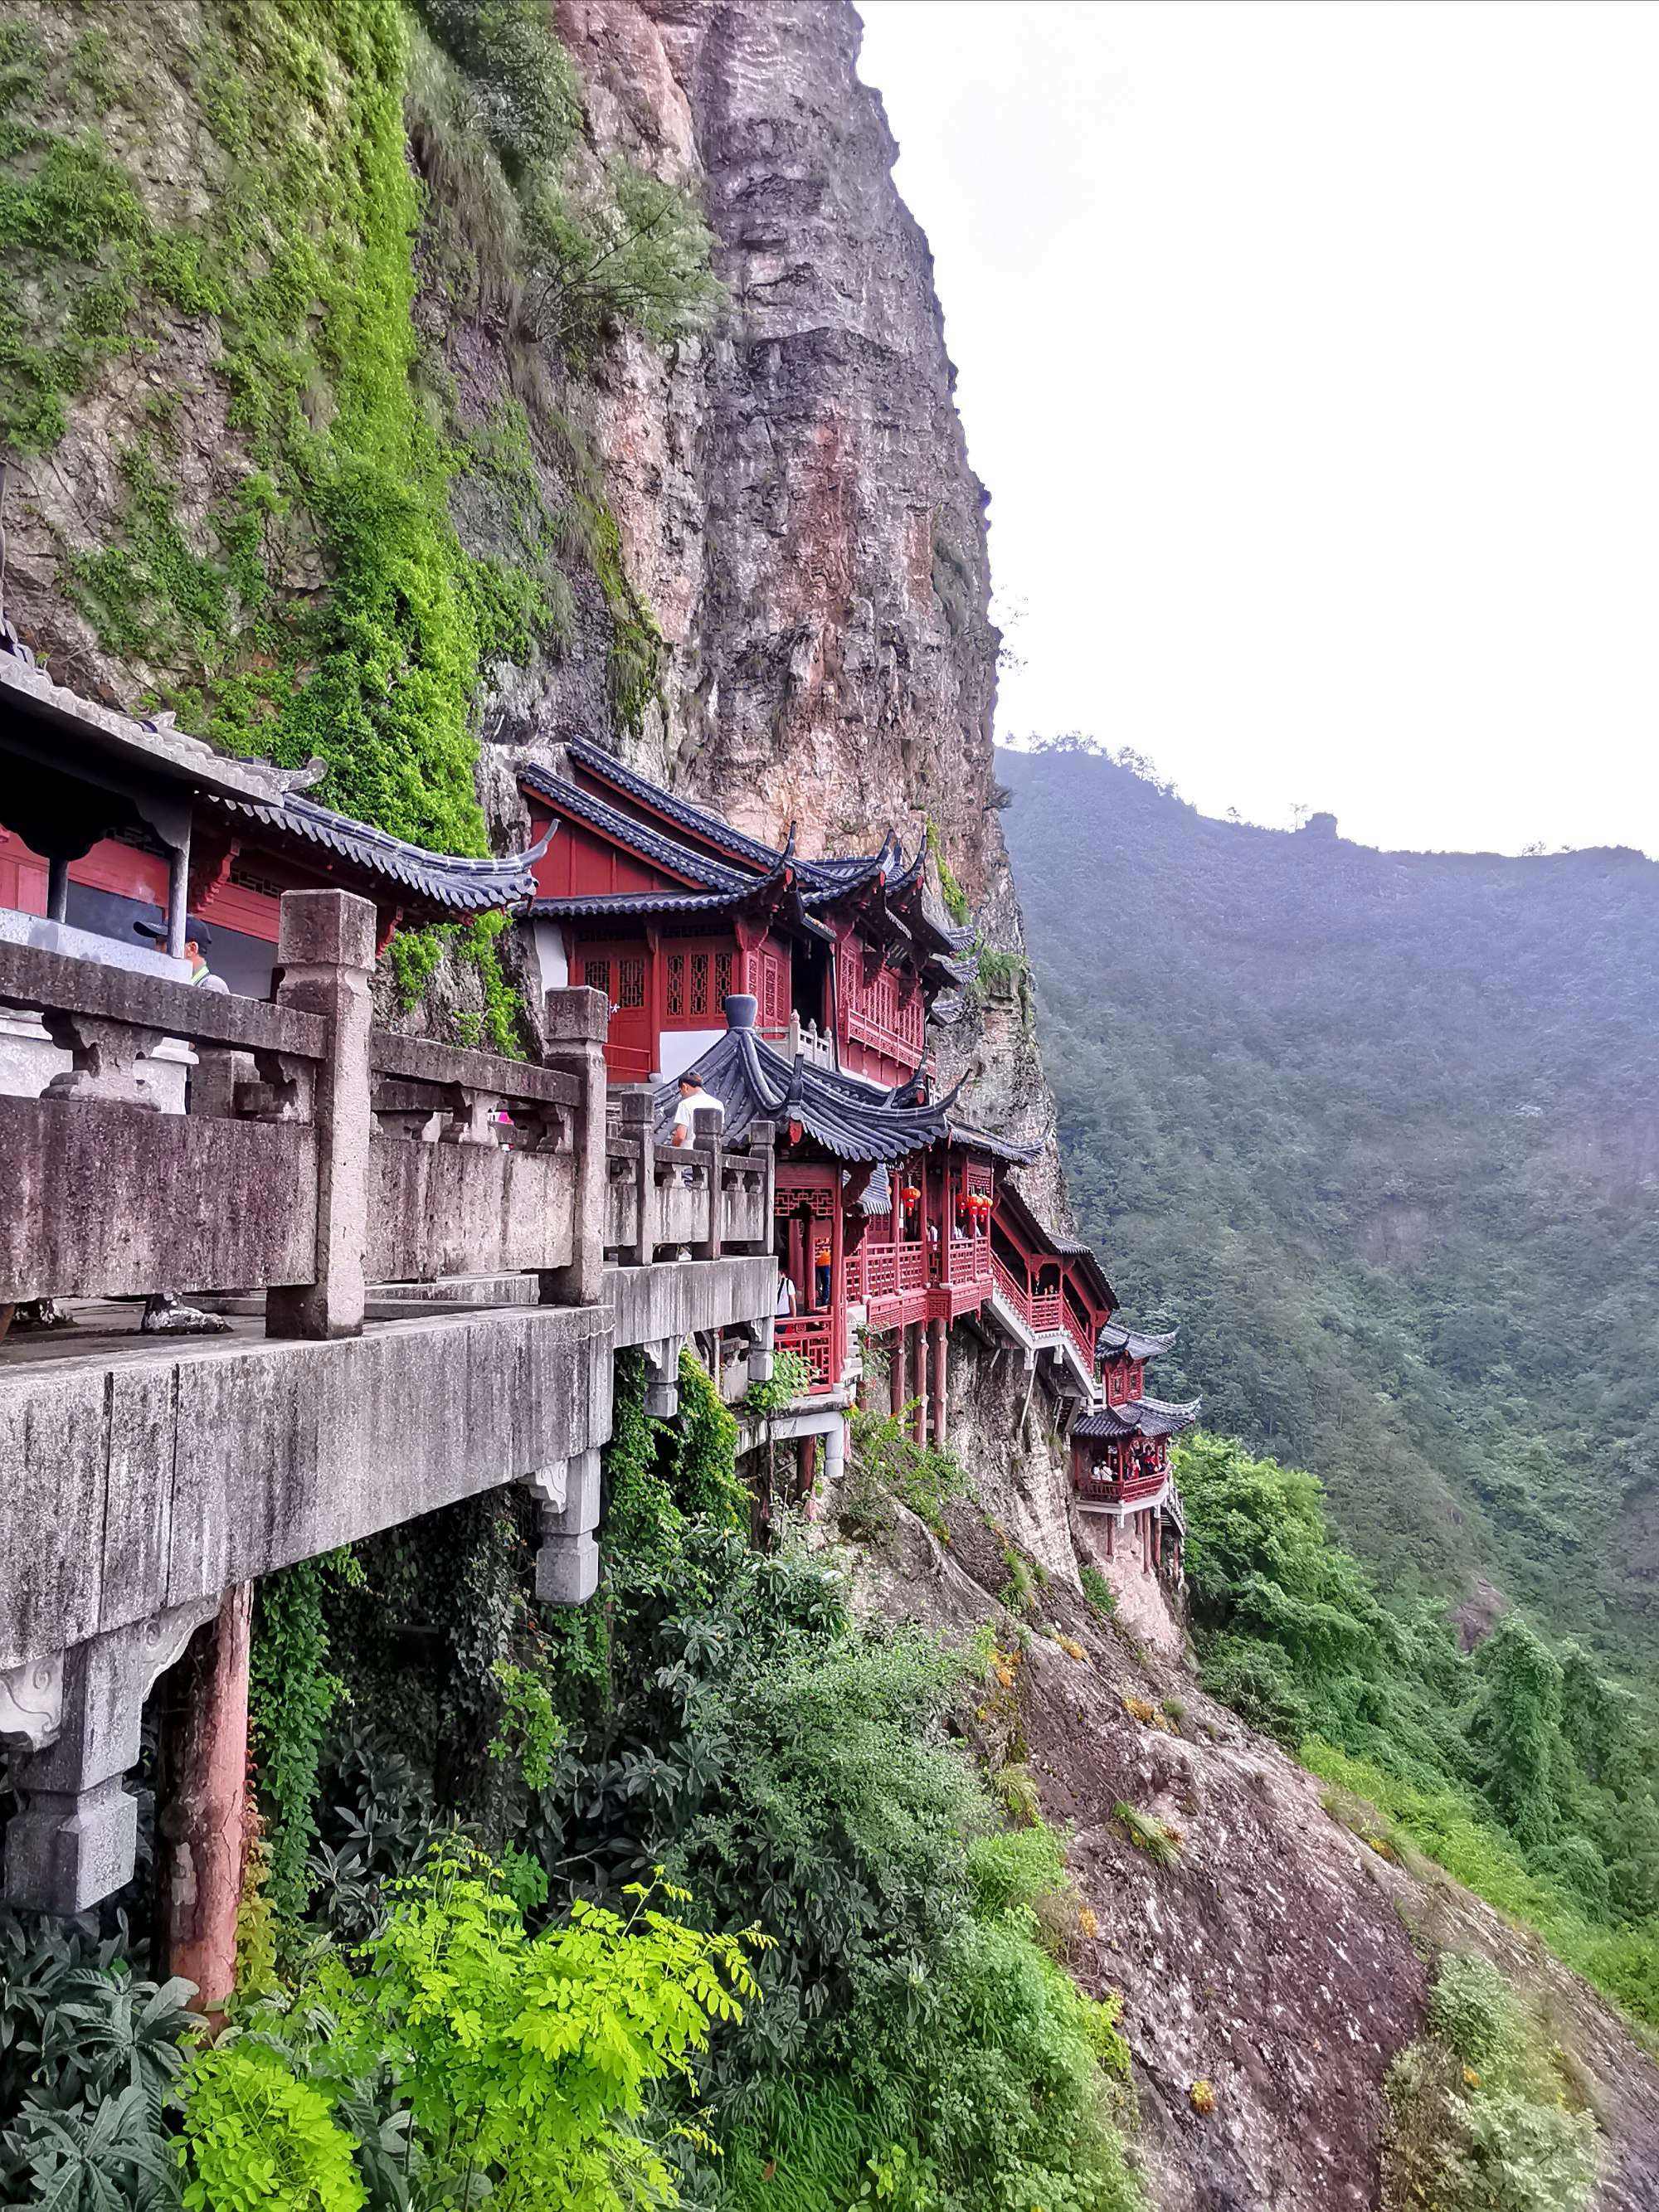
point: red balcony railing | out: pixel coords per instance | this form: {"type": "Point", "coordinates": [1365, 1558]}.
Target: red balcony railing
{"type": "Point", "coordinates": [1102, 1490]}
{"type": "Point", "coordinates": [812, 1336]}
{"type": "Point", "coordinates": [1078, 1332]}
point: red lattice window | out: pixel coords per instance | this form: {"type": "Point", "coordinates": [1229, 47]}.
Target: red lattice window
{"type": "Point", "coordinates": [675, 1003]}
{"type": "Point", "coordinates": [790, 1198]}
{"type": "Point", "coordinates": [630, 982]}
{"type": "Point", "coordinates": [724, 985]}
{"type": "Point", "coordinates": [700, 982]}
{"type": "Point", "coordinates": [596, 973]}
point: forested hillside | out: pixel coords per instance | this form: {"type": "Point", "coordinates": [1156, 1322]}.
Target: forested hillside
{"type": "Point", "coordinates": [1382, 1131]}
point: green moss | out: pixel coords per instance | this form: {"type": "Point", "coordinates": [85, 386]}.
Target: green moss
{"type": "Point", "coordinates": [414, 957]}
{"type": "Point", "coordinates": [342, 461]}
{"type": "Point", "coordinates": [955, 898]}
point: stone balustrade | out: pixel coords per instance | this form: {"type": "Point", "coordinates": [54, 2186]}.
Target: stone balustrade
{"type": "Point", "coordinates": [658, 1197]}
{"type": "Point", "coordinates": [318, 1156]}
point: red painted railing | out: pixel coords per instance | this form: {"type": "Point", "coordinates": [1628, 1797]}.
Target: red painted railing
{"type": "Point", "coordinates": [1010, 1288]}
{"type": "Point", "coordinates": [812, 1336]}
{"type": "Point", "coordinates": [1078, 1333]}
{"type": "Point", "coordinates": [1101, 1490]}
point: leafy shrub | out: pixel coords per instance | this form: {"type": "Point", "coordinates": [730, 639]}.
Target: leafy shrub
{"type": "Point", "coordinates": [1477, 2118]}
{"type": "Point", "coordinates": [499, 2062]}
{"type": "Point", "coordinates": [633, 255]}
{"type": "Point", "coordinates": [87, 2053]}
{"type": "Point", "coordinates": [1476, 1759]}
{"type": "Point", "coordinates": [1102, 1597]}
{"type": "Point", "coordinates": [889, 1462]}
{"type": "Point", "coordinates": [530, 102]}
{"type": "Point", "coordinates": [1160, 1842]}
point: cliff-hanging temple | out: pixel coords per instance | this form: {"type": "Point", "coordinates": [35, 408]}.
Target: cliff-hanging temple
{"type": "Point", "coordinates": [426, 1258]}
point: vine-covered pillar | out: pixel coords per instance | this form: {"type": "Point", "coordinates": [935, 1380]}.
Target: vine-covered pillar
{"type": "Point", "coordinates": [201, 1792]}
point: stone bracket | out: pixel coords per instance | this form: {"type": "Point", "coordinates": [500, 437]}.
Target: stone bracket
{"type": "Point", "coordinates": [77, 1839]}
{"type": "Point", "coordinates": [568, 1564]}
{"type": "Point", "coordinates": [662, 1389]}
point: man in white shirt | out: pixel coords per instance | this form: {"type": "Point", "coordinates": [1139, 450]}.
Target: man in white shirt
{"type": "Point", "coordinates": [694, 1099]}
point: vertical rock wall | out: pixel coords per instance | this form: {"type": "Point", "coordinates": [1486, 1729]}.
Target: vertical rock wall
{"type": "Point", "coordinates": [796, 502]}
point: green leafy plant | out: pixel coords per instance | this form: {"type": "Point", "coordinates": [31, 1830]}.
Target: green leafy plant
{"type": "Point", "coordinates": [1477, 2113]}
{"type": "Point", "coordinates": [514, 2064]}
{"type": "Point", "coordinates": [1159, 1842]}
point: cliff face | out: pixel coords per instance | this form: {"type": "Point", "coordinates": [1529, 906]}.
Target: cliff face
{"type": "Point", "coordinates": [796, 501]}
{"type": "Point", "coordinates": [764, 553]}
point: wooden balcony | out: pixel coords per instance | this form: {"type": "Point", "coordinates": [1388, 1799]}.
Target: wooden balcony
{"type": "Point", "coordinates": [1102, 1489]}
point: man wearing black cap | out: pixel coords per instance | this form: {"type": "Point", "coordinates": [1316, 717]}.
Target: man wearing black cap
{"type": "Point", "coordinates": [200, 934]}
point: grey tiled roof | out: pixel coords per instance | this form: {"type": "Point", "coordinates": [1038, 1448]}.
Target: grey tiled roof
{"type": "Point", "coordinates": [697, 819]}
{"type": "Point", "coordinates": [663, 852]}
{"type": "Point", "coordinates": [755, 1083]}
{"type": "Point", "coordinates": [1002, 1148]}
{"type": "Point", "coordinates": [1141, 1417]}
{"type": "Point", "coordinates": [1118, 1340]}
{"type": "Point", "coordinates": [598, 905]}
{"type": "Point", "coordinates": [453, 882]}
{"type": "Point", "coordinates": [819, 879]}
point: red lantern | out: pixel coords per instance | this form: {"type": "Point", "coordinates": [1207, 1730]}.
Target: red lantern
{"type": "Point", "coordinates": [911, 1196]}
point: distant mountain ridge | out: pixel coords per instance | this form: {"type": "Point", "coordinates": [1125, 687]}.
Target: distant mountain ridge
{"type": "Point", "coordinates": [1382, 1131]}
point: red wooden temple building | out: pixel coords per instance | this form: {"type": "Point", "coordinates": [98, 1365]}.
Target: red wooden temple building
{"type": "Point", "coordinates": [800, 990]}
{"type": "Point", "coordinates": [1120, 1451]}
{"type": "Point", "coordinates": [215, 841]}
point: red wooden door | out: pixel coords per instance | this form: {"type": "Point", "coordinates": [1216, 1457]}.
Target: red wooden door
{"type": "Point", "coordinates": [622, 973]}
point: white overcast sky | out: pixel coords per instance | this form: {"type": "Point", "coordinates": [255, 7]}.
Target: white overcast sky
{"type": "Point", "coordinates": [1310, 354]}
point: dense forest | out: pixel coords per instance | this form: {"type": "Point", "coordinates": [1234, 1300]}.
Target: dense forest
{"type": "Point", "coordinates": [1380, 1131]}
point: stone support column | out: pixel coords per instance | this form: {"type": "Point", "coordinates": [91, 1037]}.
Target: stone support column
{"type": "Point", "coordinates": [1157, 1541]}
{"type": "Point", "coordinates": [325, 949]}
{"type": "Point", "coordinates": [834, 1453]}
{"type": "Point", "coordinates": [78, 1716]}
{"type": "Point", "coordinates": [568, 1563]}
{"type": "Point", "coordinates": [919, 1339]}
{"type": "Point", "coordinates": [941, 1384]}
{"type": "Point", "coordinates": [1111, 1524]}
{"type": "Point", "coordinates": [706, 1126]}
{"type": "Point", "coordinates": [201, 1790]}
{"type": "Point", "coordinates": [577, 1021]}
{"type": "Point", "coordinates": [662, 1389]}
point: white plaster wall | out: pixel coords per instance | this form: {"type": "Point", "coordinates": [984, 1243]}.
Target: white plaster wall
{"type": "Point", "coordinates": [682, 1049]}
{"type": "Point", "coordinates": [547, 938]}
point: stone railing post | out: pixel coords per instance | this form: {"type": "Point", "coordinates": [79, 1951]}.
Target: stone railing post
{"type": "Point", "coordinates": [638, 1132]}
{"type": "Point", "coordinates": [764, 1149]}
{"type": "Point", "coordinates": [577, 1021]}
{"type": "Point", "coordinates": [325, 949]}
{"type": "Point", "coordinates": [706, 1125]}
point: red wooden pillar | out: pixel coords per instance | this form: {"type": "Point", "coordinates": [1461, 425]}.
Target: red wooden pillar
{"type": "Point", "coordinates": [1111, 1523]}
{"type": "Point", "coordinates": [201, 1788]}
{"type": "Point", "coordinates": [941, 1384]}
{"type": "Point", "coordinates": [1146, 1543]}
{"type": "Point", "coordinates": [806, 1460]}
{"type": "Point", "coordinates": [918, 1333]}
